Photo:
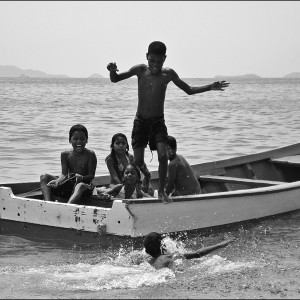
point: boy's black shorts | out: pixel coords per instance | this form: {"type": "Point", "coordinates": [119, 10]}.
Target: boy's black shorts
{"type": "Point", "coordinates": [153, 130]}
{"type": "Point", "coordinates": [66, 190]}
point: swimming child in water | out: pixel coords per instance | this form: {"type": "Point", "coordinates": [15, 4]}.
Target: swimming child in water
{"type": "Point", "coordinates": [118, 158]}
{"type": "Point", "coordinates": [78, 167]}
{"type": "Point", "coordinates": [130, 188]}
{"type": "Point", "coordinates": [154, 246]}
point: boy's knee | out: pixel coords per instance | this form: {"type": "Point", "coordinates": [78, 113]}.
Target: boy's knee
{"type": "Point", "coordinates": [44, 177]}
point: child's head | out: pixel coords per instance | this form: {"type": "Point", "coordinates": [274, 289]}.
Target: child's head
{"type": "Point", "coordinates": [171, 147]}
{"type": "Point", "coordinates": [132, 174]}
{"type": "Point", "coordinates": [152, 244]}
{"type": "Point", "coordinates": [156, 56]}
{"type": "Point", "coordinates": [78, 137]}
{"type": "Point", "coordinates": [157, 47]}
{"type": "Point", "coordinates": [172, 142]}
{"type": "Point", "coordinates": [119, 143]}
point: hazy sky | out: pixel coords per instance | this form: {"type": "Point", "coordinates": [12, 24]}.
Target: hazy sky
{"type": "Point", "coordinates": [203, 38]}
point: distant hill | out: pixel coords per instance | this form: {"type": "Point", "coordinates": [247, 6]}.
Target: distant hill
{"type": "Point", "coordinates": [293, 75]}
{"type": "Point", "coordinates": [12, 71]}
{"type": "Point", "coordinates": [239, 76]}
{"type": "Point", "coordinates": [95, 75]}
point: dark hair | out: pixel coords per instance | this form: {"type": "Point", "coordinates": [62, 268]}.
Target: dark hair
{"type": "Point", "coordinates": [113, 139]}
{"type": "Point", "coordinates": [78, 127]}
{"type": "Point", "coordinates": [136, 168]}
{"type": "Point", "coordinates": [157, 47]}
{"type": "Point", "coordinates": [172, 142]}
{"type": "Point", "coordinates": [152, 244]}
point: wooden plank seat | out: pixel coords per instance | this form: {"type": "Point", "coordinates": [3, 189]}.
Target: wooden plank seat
{"type": "Point", "coordinates": [226, 179]}
{"type": "Point", "coordinates": [287, 161]}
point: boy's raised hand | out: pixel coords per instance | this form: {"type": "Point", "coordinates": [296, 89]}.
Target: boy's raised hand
{"type": "Point", "coordinates": [112, 67]}
{"type": "Point", "coordinates": [219, 85]}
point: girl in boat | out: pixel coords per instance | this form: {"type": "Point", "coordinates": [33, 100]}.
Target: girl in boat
{"type": "Point", "coordinates": [130, 188]}
{"type": "Point", "coordinates": [118, 158]}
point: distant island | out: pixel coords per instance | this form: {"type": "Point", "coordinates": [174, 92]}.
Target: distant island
{"type": "Point", "coordinates": [12, 71]}
{"type": "Point", "coordinates": [254, 76]}
{"type": "Point", "coordinates": [239, 76]}
{"type": "Point", "coordinates": [293, 75]}
{"type": "Point", "coordinates": [96, 75]}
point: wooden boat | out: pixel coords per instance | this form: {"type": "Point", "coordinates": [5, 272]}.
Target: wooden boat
{"type": "Point", "coordinates": [234, 190]}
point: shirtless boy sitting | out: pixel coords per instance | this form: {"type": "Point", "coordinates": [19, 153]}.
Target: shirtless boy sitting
{"type": "Point", "coordinates": [181, 175]}
{"type": "Point", "coordinates": [78, 167]}
{"type": "Point", "coordinates": [153, 244]}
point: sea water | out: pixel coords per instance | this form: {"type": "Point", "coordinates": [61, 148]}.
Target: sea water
{"type": "Point", "coordinates": [251, 115]}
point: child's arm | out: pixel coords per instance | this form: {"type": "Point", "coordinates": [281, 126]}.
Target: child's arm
{"type": "Point", "coordinates": [114, 77]}
{"type": "Point", "coordinates": [190, 90]}
{"type": "Point", "coordinates": [112, 171]}
{"type": "Point", "coordinates": [207, 250]}
{"type": "Point", "coordinates": [64, 171]}
{"type": "Point", "coordinates": [172, 170]}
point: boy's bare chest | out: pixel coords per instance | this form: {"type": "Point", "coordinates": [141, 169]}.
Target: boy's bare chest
{"type": "Point", "coordinates": [150, 82]}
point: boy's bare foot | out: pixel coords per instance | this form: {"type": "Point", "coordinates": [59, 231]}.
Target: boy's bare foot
{"type": "Point", "coordinates": [164, 197]}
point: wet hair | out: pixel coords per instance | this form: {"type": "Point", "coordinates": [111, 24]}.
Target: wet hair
{"type": "Point", "coordinates": [152, 244]}
{"type": "Point", "coordinates": [136, 168]}
{"type": "Point", "coordinates": [78, 127]}
{"type": "Point", "coordinates": [157, 47]}
{"type": "Point", "coordinates": [172, 142]}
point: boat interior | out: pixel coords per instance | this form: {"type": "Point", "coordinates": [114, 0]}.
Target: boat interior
{"type": "Point", "coordinates": [213, 177]}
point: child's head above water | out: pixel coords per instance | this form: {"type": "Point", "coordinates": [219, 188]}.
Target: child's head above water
{"type": "Point", "coordinates": [77, 127]}
{"type": "Point", "coordinates": [152, 244]}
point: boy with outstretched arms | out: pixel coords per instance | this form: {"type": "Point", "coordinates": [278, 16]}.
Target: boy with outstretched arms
{"type": "Point", "coordinates": [149, 123]}
{"type": "Point", "coordinates": [181, 176]}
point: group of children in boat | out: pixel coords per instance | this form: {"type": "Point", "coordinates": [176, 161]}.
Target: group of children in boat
{"type": "Point", "coordinates": [78, 166]}
{"type": "Point", "coordinates": [175, 178]}
{"type": "Point", "coordinates": [149, 128]}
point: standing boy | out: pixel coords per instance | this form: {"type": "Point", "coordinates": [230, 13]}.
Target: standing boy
{"type": "Point", "coordinates": [149, 123]}
{"type": "Point", "coordinates": [181, 175]}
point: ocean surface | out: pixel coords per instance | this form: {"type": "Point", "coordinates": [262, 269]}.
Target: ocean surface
{"type": "Point", "coordinates": [251, 115]}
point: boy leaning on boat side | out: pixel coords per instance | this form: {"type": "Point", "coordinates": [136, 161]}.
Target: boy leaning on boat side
{"type": "Point", "coordinates": [78, 167]}
{"type": "Point", "coordinates": [149, 123]}
{"type": "Point", "coordinates": [181, 176]}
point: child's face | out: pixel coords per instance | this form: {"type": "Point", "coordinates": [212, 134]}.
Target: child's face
{"type": "Point", "coordinates": [130, 175]}
{"type": "Point", "coordinates": [155, 62]}
{"type": "Point", "coordinates": [78, 141]}
{"type": "Point", "coordinates": [170, 152]}
{"type": "Point", "coordinates": [120, 145]}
